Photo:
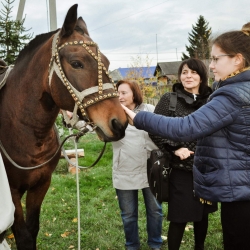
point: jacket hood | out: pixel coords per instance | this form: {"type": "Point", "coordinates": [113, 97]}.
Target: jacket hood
{"type": "Point", "coordinates": [191, 99]}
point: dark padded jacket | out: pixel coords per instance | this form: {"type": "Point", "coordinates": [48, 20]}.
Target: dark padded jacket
{"type": "Point", "coordinates": [187, 103]}
{"type": "Point", "coordinates": [222, 126]}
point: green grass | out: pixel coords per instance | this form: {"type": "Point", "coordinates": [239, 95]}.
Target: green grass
{"type": "Point", "coordinates": [100, 222]}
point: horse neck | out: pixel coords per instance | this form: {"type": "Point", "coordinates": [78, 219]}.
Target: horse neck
{"type": "Point", "coordinates": [26, 97]}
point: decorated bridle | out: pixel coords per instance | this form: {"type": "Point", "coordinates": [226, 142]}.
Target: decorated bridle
{"type": "Point", "coordinates": [55, 66]}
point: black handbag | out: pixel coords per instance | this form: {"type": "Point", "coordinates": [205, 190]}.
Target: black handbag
{"type": "Point", "coordinates": [158, 171]}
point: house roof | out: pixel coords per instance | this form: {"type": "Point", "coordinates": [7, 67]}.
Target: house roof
{"type": "Point", "coordinates": [121, 73]}
{"type": "Point", "coordinates": [116, 75]}
{"type": "Point", "coordinates": [171, 68]}
{"type": "Point", "coordinates": [167, 68]}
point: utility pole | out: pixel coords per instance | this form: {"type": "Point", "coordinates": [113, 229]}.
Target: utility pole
{"type": "Point", "coordinates": [156, 50]}
{"type": "Point", "coordinates": [52, 13]}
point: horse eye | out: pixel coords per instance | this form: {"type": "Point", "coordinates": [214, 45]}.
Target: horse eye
{"type": "Point", "coordinates": [76, 65]}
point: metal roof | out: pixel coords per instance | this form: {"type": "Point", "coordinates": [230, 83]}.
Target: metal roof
{"type": "Point", "coordinates": [116, 75]}
{"type": "Point", "coordinates": [121, 73]}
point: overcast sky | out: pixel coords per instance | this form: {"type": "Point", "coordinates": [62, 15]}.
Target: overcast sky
{"type": "Point", "coordinates": [127, 29]}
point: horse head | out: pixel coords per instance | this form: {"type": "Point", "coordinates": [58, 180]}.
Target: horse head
{"type": "Point", "coordinates": [83, 69]}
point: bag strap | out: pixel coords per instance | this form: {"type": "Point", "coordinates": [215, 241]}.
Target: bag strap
{"type": "Point", "coordinates": [173, 101]}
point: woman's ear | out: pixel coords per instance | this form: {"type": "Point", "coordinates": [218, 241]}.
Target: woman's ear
{"type": "Point", "coordinates": [239, 60]}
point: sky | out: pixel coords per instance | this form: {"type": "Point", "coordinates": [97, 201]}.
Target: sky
{"type": "Point", "coordinates": [133, 32]}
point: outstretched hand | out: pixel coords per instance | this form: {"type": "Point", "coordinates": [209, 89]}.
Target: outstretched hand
{"type": "Point", "coordinates": [130, 114]}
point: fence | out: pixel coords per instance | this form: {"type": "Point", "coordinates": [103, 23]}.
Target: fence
{"type": "Point", "coordinates": [152, 101]}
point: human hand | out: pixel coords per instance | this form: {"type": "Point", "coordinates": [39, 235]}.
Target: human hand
{"type": "Point", "coordinates": [130, 114]}
{"type": "Point", "coordinates": [183, 153]}
{"type": "Point", "coordinates": [69, 114]}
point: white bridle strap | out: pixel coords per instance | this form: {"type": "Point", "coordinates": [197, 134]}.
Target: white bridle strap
{"type": "Point", "coordinates": [6, 74]}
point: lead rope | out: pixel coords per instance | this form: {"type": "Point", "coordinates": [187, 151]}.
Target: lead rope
{"type": "Point", "coordinates": [78, 199]}
{"type": "Point", "coordinates": [77, 184]}
{"type": "Point", "coordinates": [77, 194]}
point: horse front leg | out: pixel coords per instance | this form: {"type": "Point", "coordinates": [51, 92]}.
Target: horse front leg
{"type": "Point", "coordinates": [22, 235]}
{"type": "Point", "coordinates": [34, 199]}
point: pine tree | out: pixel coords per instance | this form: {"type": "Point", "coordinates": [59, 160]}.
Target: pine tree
{"type": "Point", "coordinates": [12, 39]}
{"type": "Point", "coordinates": [199, 40]}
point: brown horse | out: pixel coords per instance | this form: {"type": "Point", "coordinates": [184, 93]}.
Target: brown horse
{"type": "Point", "coordinates": [56, 70]}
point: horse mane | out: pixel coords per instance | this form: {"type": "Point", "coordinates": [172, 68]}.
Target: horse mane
{"type": "Point", "coordinates": [31, 47]}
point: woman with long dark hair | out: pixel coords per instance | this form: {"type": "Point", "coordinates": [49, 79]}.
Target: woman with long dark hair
{"type": "Point", "coordinates": [192, 92]}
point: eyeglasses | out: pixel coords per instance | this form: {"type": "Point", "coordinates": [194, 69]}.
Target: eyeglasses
{"type": "Point", "coordinates": [214, 59]}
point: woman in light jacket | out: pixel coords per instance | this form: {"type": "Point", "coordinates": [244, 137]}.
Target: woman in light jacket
{"type": "Point", "coordinates": [6, 206]}
{"type": "Point", "coordinates": [130, 156]}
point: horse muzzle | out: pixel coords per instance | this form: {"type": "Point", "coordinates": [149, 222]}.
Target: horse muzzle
{"type": "Point", "coordinates": [117, 130]}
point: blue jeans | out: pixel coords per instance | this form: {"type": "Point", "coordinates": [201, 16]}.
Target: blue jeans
{"type": "Point", "coordinates": [128, 202]}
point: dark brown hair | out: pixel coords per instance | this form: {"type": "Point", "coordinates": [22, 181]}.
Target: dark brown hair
{"type": "Point", "coordinates": [134, 86]}
{"type": "Point", "coordinates": [235, 42]}
{"type": "Point", "coordinates": [198, 66]}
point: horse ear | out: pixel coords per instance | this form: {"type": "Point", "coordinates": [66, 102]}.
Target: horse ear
{"type": "Point", "coordinates": [82, 25]}
{"type": "Point", "coordinates": [70, 21]}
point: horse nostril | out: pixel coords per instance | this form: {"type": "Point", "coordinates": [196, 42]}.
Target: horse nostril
{"type": "Point", "coordinates": [117, 127]}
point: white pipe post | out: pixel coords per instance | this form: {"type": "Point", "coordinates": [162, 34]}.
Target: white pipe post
{"type": "Point", "coordinates": [19, 16]}
{"type": "Point", "coordinates": [52, 15]}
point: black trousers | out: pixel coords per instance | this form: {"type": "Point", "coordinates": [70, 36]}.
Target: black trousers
{"type": "Point", "coordinates": [235, 220]}
{"type": "Point", "coordinates": [176, 231]}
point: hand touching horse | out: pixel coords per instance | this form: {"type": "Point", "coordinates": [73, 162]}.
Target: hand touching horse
{"type": "Point", "coordinates": [63, 69]}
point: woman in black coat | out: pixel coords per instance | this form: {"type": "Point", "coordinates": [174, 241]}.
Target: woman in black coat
{"type": "Point", "coordinates": [192, 92]}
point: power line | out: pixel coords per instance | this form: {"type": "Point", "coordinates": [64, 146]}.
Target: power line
{"type": "Point", "coordinates": [129, 16]}
{"type": "Point", "coordinates": [137, 53]}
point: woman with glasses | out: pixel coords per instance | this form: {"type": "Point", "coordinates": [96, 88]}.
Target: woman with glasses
{"type": "Point", "coordinates": [222, 126]}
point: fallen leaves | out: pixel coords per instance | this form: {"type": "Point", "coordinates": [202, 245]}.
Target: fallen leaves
{"type": "Point", "coordinates": [164, 238]}
{"type": "Point", "coordinates": [65, 234]}
{"type": "Point", "coordinates": [11, 236]}
{"type": "Point", "coordinates": [188, 227]}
